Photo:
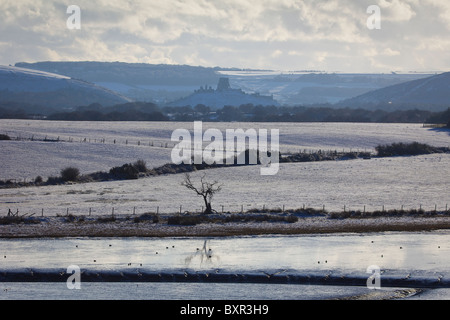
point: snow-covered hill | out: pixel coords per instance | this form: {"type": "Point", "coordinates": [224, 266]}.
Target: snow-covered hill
{"type": "Point", "coordinates": [314, 87]}
{"type": "Point", "coordinates": [21, 85]}
{"type": "Point", "coordinates": [138, 81]}
{"type": "Point", "coordinates": [163, 84]}
{"type": "Point", "coordinates": [431, 92]}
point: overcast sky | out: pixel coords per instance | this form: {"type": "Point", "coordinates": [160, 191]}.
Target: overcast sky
{"type": "Point", "coordinates": [328, 35]}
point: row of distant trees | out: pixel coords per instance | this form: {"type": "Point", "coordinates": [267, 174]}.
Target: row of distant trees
{"type": "Point", "coordinates": [441, 117]}
{"type": "Point", "coordinates": [249, 112]}
{"type": "Point", "coordinates": [143, 111]}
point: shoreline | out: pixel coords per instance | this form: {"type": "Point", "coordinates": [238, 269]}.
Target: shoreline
{"type": "Point", "coordinates": [54, 227]}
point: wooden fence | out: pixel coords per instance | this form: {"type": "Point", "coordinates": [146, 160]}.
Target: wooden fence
{"type": "Point", "coordinates": [286, 148]}
{"type": "Point", "coordinates": [220, 209]}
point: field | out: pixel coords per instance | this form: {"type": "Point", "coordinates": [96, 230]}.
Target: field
{"type": "Point", "coordinates": [379, 183]}
{"type": "Point", "coordinates": [128, 141]}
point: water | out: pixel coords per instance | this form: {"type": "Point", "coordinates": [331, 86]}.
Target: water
{"type": "Point", "coordinates": [399, 255]}
{"type": "Point", "coordinates": [348, 253]}
{"type": "Point", "coordinates": [173, 291]}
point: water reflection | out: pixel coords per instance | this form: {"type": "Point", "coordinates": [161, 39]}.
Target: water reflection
{"type": "Point", "coordinates": [205, 255]}
{"type": "Point", "coordinates": [391, 251]}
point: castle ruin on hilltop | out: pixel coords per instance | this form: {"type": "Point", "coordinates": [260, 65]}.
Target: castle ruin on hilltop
{"type": "Point", "coordinates": [223, 95]}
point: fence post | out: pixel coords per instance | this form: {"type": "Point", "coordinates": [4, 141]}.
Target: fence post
{"type": "Point", "coordinates": [180, 209]}
{"type": "Point", "coordinates": [242, 208]}
{"type": "Point", "coordinates": [90, 211]}
{"type": "Point", "coordinates": [134, 210]}
{"type": "Point", "coordinates": [42, 212]}
{"type": "Point", "coordinates": [157, 210]}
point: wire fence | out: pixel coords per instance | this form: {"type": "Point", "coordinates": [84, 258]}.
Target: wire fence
{"type": "Point", "coordinates": [168, 144]}
{"type": "Point", "coordinates": [219, 209]}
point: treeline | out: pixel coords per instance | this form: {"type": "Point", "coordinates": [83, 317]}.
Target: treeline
{"type": "Point", "coordinates": [441, 118]}
{"type": "Point", "coordinates": [16, 110]}
{"type": "Point", "coordinates": [320, 114]}
{"type": "Point", "coordinates": [139, 111]}
{"type": "Point", "coordinates": [145, 111]}
{"type": "Point", "coordinates": [136, 111]}
{"type": "Point", "coordinates": [408, 149]}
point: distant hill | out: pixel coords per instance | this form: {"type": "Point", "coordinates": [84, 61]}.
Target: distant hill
{"type": "Point", "coordinates": [431, 93]}
{"type": "Point", "coordinates": [130, 73]}
{"type": "Point", "coordinates": [308, 89]}
{"type": "Point", "coordinates": [158, 83]}
{"type": "Point", "coordinates": [51, 91]}
{"type": "Point", "coordinates": [163, 83]}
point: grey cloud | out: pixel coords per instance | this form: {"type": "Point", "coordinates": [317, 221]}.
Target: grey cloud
{"type": "Point", "coordinates": [277, 34]}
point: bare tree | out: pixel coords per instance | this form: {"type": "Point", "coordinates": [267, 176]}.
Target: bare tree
{"type": "Point", "coordinates": [207, 190]}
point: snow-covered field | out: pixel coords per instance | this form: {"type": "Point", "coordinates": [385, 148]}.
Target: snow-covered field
{"type": "Point", "coordinates": [407, 181]}
{"type": "Point", "coordinates": [115, 143]}
{"type": "Point", "coordinates": [25, 160]}
{"type": "Point", "coordinates": [391, 182]}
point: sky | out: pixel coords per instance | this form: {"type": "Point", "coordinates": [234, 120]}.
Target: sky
{"type": "Point", "coordinates": [286, 35]}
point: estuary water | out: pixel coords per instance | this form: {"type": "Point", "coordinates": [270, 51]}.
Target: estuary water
{"type": "Point", "coordinates": [420, 257]}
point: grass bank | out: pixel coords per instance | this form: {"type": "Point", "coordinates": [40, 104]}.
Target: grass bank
{"type": "Point", "coordinates": [296, 222]}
